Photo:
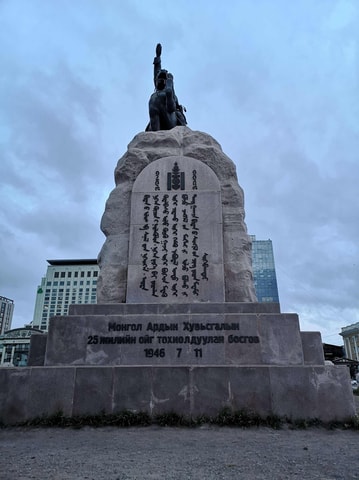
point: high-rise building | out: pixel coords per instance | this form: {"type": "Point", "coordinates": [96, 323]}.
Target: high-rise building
{"type": "Point", "coordinates": [6, 312]}
{"type": "Point", "coordinates": [66, 282]}
{"type": "Point", "coordinates": [264, 275]}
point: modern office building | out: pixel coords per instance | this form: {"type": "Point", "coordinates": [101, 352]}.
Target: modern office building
{"type": "Point", "coordinates": [66, 282]}
{"type": "Point", "coordinates": [264, 274]}
{"type": "Point", "coordinates": [6, 312]}
{"type": "Point", "coordinates": [350, 336]}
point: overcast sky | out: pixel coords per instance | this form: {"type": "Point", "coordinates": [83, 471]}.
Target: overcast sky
{"type": "Point", "coordinates": [275, 82]}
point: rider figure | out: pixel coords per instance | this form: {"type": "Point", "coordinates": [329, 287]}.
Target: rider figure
{"type": "Point", "coordinates": [163, 81]}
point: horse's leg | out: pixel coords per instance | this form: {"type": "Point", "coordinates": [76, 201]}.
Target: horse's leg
{"type": "Point", "coordinates": [170, 99]}
{"type": "Point", "coordinates": [162, 110]}
{"type": "Point", "coordinates": [170, 114]}
{"type": "Point", "coordinates": [169, 120]}
{"type": "Point", "coordinates": [154, 118]}
{"type": "Point", "coordinates": [155, 123]}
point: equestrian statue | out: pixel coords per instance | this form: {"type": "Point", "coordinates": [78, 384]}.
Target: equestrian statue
{"type": "Point", "coordinates": [164, 109]}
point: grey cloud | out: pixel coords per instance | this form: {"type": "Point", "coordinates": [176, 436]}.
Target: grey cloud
{"type": "Point", "coordinates": [276, 89]}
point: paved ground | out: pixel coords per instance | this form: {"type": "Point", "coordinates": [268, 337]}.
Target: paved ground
{"type": "Point", "coordinates": [155, 453]}
{"type": "Point", "coordinates": [178, 453]}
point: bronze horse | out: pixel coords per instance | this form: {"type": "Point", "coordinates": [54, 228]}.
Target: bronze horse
{"type": "Point", "coordinates": [164, 109]}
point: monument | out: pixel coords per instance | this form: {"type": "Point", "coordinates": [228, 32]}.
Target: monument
{"type": "Point", "coordinates": [177, 327]}
{"type": "Point", "coordinates": [164, 110]}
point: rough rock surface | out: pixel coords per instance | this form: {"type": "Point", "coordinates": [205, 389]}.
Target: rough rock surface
{"type": "Point", "coordinates": [145, 148]}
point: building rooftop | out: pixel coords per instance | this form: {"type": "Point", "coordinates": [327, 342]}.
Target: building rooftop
{"type": "Point", "coordinates": [88, 261]}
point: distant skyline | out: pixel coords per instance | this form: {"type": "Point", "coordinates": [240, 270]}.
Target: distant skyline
{"type": "Point", "coordinates": [274, 82]}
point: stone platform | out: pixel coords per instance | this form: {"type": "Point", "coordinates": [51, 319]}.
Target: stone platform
{"type": "Point", "coordinates": [295, 392]}
{"type": "Point", "coordinates": [177, 326]}
{"type": "Point", "coordinates": [193, 359]}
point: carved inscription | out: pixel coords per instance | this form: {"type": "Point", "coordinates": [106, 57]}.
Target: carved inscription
{"type": "Point", "coordinates": [172, 263]}
{"type": "Point", "coordinates": [176, 251]}
{"type": "Point", "coordinates": [184, 341]}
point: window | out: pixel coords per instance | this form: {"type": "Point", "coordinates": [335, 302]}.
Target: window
{"type": "Point", "coordinates": [63, 274]}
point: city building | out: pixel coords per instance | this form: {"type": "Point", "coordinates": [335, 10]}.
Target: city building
{"type": "Point", "coordinates": [6, 312]}
{"type": "Point", "coordinates": [264, 274]}
{"type": "Point", "coordinates": [66, 282]}
{"type": "Point", "coordinates": [333, 352]}
{"type": "Point", "coordinates": [350, 336]}
{"type": "Point", "coordinates": [15, 346]}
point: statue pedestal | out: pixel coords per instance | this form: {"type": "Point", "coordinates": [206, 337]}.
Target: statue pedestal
{"type": "Point", "coordinates": [177, 327]}
{"type": "Point", "coordinates": [192, 359]}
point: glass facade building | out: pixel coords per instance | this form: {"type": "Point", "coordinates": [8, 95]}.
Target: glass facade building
{"type": "Point", "coordinates": [264, 274]}
{"type": "Point", "coordinates": [66, 282]}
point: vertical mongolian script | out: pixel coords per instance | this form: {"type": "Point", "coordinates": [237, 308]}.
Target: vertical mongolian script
{"type": "Point", "coordinates": [176, 252]}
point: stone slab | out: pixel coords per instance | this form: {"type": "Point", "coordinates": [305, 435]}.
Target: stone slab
{"type": "Point", "coordinates": [312, 348]}
{"type": "Point", "coordinates": [281, 339]}
{"type": "Point", "coordinates": [297, 392]}
{"type": "Point", "coordinates": [51, 390]}
{"type": "Point", "coordinates": [328, 392]}
{"type": "Point", "coordinates": [175, 339]}
{"type": "Point", "coordinates": [249, 389]}
{"type": "Point", "coordinates": [132, 389]}
{"type": "Point", "coordinates": [176, 234]}
{"type": "Point", "coordinates": [161, 309]}
{"type": "Point", "coordinates": [37, 350]}
{"type": "Point", "coordinates": [96, 386]}
{"type": "Point", "coordinates": [14, 394]}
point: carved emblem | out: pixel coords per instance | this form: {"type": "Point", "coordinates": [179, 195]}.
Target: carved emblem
{"type": "Point", "coordinates": [175, 179]}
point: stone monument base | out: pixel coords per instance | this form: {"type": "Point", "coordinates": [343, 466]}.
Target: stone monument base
{"type": "Point", "coordinates": [304, 392]}
{"type": "Point", "coordinates": [192, 359]}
